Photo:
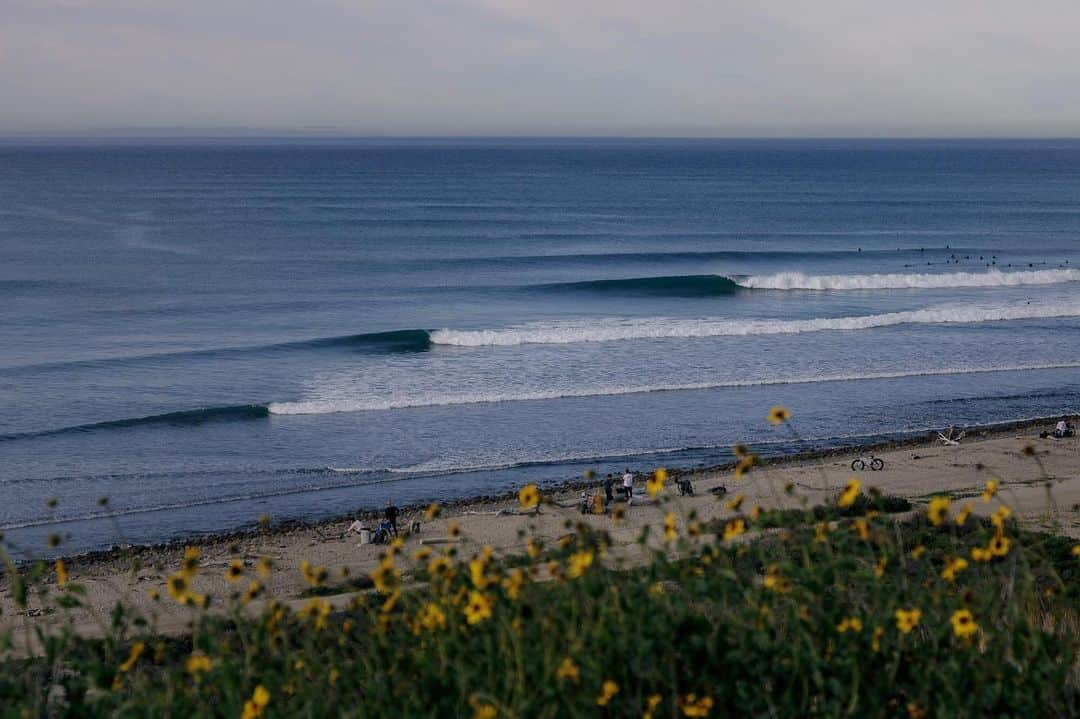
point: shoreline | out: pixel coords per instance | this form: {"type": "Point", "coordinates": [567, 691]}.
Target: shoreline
{"type": "Point", "coordinates": [254, 531]}
{"type": "Point", "coordinates": [1039, 480]}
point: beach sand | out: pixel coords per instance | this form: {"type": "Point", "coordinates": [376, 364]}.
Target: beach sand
{"type": "Point", "coordinates": [914, 471]}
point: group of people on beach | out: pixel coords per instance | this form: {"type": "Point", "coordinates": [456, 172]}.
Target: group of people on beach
{"type": "Point", "coordinates": [627, 486]}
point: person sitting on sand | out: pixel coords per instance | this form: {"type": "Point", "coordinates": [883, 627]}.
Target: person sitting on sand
{"type": "Point", "coordinates": [1063, 429]}
{"type": "Point", "coordinates": [628, 485]}
{"type": "Point", "coordinates": [391, 514]}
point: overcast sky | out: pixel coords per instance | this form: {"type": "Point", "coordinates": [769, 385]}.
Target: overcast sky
{"type": "Point", "coordinates": [544, 67]}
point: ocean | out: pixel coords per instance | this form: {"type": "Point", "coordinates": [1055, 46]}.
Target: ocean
{"type": "Point", "coordinates": [208, 332]}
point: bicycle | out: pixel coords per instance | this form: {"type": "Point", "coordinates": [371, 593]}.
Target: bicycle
{"type": "Point", "coordinates": [859, 464]}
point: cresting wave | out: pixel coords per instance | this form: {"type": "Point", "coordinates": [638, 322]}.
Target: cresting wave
{"type": "Point", "coordinates": [349, 404]}
{"type": "Point", "coordinates": [184, 418]}
{"type": "Point", "coordinates": [612, 330]}
{"type": "Point", "coordinates": [674, 286]}
{"type": "Point", "coordinates": [392, 342]}
{"type": "Point", "coordinates": [993, 278]}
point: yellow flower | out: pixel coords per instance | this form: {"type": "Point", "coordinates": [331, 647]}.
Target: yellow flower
{"type": "Point", "coordinates": [733, 529]}
{"type": "Point", "coordinates": [879, 570]}
{"type": "Point", "coordinates": [254, 706]}
{"type": "Point", "coordinates": [453, 529]}
{"type": "Point", "coordinates": [178, 587]}
{"type": "Point", "coordinates": [907, 619]}
{"type": "Point", "coordinates": [1076, 551]}
{"type": "Point", "coordinates": [774, 581]}
{"type": "Point", "coordinates": [918, 551]}
{"type": "Point", "coordinates": [963, 514]}
{"type": "Point", "coordinates": [740, 450]}
{"type": "Point", "coordinates": [386, 576]}
{"type": "Point", "coordinates": [938, 511]}
{"type": "Point", "coordinates": [478, 573]}
{"type": "Point", "coordinates": [529, 496]}
{"type": "Point", "coordinates": [694, 707]}
{"type": "Point", "coordinates": [779, 415]}
{"type": "Point", "coordinates": [253, 590]}
{"type": "Point", "coordinates": [607, 691]}
{"type": "Point", "coordinates": [432, 617]}
{"type": "Point", "coordinates": [735, 502]}
{"type": "Point", "coordinates": [568, 670]}
{"type": "Point", "coordinates": [963, 623]}
{"type": "Point", "coordinates": [190, 563]}
{"type": "Point", "coordinates": [650, 705]}
{"type": "Point", "coordinates": [875, 642]}
{"type": "Point", "coordinates": [745, 465]}
{"type": "Point", "coordinates": [991, 490]}
{"type": "Point", "coordinates": [317, 608]}
{"type": "Point", "coordinates": [61, 573]}
{"type": "Point", "coordinates": [235, 571]}
{"type": "Point", "coordinates": [952, 568]}
{"type": "Point", "coordinates": [431, 512]}
{"type": "Point", "coordinates": [670, 527]}
{"type": "Point", "coordinates": [197, 663]}
{"type": "Point", "coordinates": [478, 608]}
{"type": "Point", "coordinates": [578, 563]}
{"type": "Point", "coordinates": [513, 583]}
{"type": "Point", "coordinates": [863, 528]}
{"type": "Point", "coordinates": [656, 482]}
{"type": "Point", "coordinates": [482, 710]}
{"type": "Point", "coordinates": [821, 533]}
{"type": "Point", "coordinates": [850, 493]}
{"type": "Point", "coordinates": [332, 676]}
{"type": "Point", "coordinates": [264, 567]}
{"type": "Point", "coordinates": [313, 575]}
{"type": "Point", "coordinates": [389, 604]}
{"type": "Point", "coordinates": [422, 554]}
{"type": "Point", "coordinates": [849, 624]}
{"type": "Point", "coordinates": [999, 545]}
{"type": "Point", "coordinates": [133, 656]}
{"type": "Point", "coordinates": [979, 554]}
{"type": "Point", "coordinates": [998, 518]}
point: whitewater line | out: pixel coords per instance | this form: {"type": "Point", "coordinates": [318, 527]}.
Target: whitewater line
{"type": "Point", "coordinates": [330, 406]}
{"type": "Point", "coordinates": [947, 280]}
{"type": "Point", "coordinates": [612, 330]}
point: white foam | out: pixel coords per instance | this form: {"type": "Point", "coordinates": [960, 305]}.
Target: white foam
{"type": "Point", "coordinates": [993, 278]}
{"type": "Point", "coordinates": [612, 330]}
{"type": "Point", "coordinates": [344, 404]}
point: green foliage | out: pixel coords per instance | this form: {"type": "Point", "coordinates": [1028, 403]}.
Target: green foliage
{"type": "Point", "coordinates": [712, 628]}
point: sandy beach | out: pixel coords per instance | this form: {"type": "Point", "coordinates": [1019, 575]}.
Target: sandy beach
{"type": "Point", "coordinates": [1043, 490]}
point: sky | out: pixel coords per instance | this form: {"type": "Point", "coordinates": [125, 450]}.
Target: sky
{"type": "Point", "coordinates": [713, 68]}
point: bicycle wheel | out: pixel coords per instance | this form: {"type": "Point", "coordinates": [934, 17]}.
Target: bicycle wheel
{"type": "Point", "coordinates": [877, 464]}
{"type": "Point", "coordinates": [857, 465]}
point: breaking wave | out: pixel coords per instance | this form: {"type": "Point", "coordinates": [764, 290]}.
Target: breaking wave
{"type": "Point", "coordinates": [993, 278]}
{"type": "Point", "coordinates": [617, 329]}
{"type": "Point", "coordinates": [363, 404]}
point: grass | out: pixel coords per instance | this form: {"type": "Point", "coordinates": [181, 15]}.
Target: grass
{"type": "Point", "coordinates": [834, 611]}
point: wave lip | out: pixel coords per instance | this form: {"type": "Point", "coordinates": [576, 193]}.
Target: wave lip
{"type": "Point", "coordinates": [331, 406]}
{"type": "Point", "coordinates": [612, 330]}
{"type": "Point", "coordinates": [669, 286]}
{"type": "Point", "coordinates": [899, 281]}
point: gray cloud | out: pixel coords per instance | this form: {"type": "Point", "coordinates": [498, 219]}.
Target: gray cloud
{"type": "Point", "coordinates": [611, 67]}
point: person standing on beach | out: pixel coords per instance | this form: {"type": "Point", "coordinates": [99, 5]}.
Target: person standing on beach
{"type": "Point", "coordinates": [628, 485]}
{"type": "Point", "coordinates": [391, 515]}
{"type": "Point", "coordinates": [609, 481]}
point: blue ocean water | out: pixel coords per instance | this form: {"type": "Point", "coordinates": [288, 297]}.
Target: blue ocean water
{"type": "Point", "coordinates": [209, 332]}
